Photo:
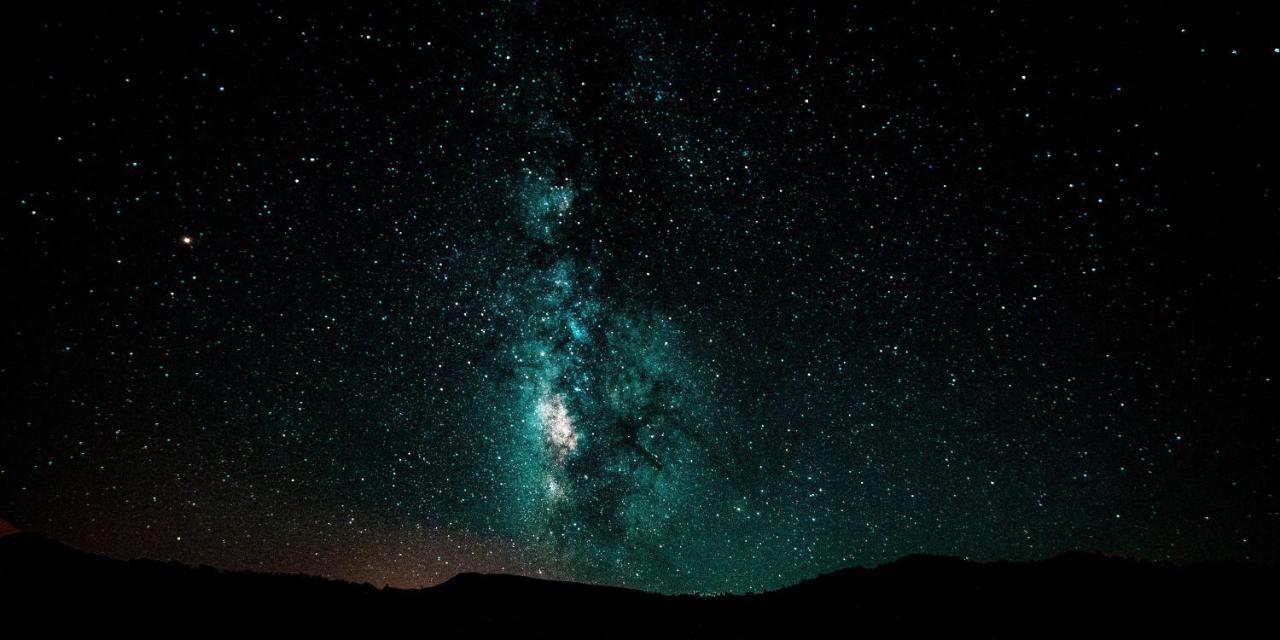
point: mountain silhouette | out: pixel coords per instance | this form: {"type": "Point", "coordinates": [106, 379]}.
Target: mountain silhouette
{"type": "Point", "coordinates": [1096, 595]}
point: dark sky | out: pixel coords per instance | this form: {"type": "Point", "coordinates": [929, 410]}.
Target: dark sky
{"type": "Point", "coordinates": [704, 297]}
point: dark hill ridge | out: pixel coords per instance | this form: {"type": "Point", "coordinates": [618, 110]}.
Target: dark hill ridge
{"type": "Point", "coordinates": [1074, 593]}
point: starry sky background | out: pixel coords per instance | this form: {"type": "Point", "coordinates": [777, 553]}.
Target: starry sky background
{"type": "Point", "coordinates": [701, 297]}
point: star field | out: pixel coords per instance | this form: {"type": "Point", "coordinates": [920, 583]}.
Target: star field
{"type": "Point", "coordinates": [706, 298]}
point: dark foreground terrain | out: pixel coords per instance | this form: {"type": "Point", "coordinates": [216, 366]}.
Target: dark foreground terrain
{"type": "Point", "coordinates": [51, 585]}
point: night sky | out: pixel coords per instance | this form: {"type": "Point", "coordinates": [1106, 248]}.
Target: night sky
{"type": "Point", "coordinates": [701, 297]}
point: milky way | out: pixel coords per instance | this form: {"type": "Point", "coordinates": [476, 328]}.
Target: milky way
{"type": "Point", "coordinates": [613, 459]}
{"type": "Point", "coordinates": [684, 297]}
